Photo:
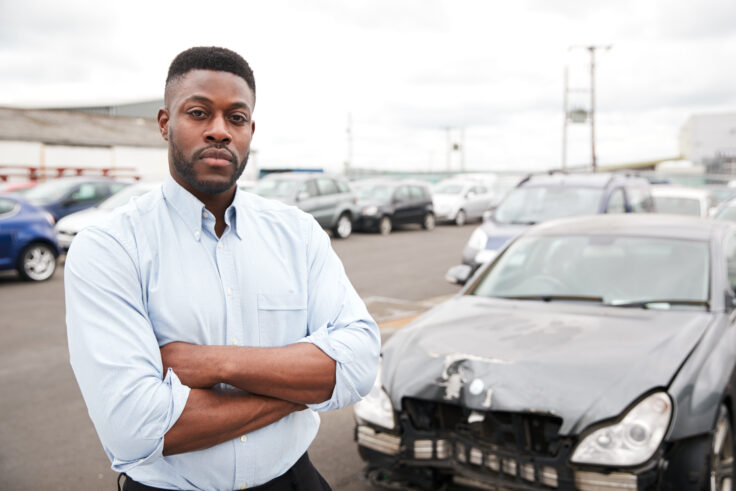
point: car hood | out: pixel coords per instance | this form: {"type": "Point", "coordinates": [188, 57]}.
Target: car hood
{"type": "Point", "coordinates": [77, 221]}
{"type": "Point", "coordinates": [580, 362]}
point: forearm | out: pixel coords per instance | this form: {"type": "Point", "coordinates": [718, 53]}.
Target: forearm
{"type": "Point", "coordinates": [299, 372]}
{"type": "Point", "coordinates": [211, 417]}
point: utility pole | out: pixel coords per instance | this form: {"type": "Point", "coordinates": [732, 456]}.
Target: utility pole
{"type": "Point", "coordinates": [565, 119]}
{"type": "Point", "coordinates": [591, 112]}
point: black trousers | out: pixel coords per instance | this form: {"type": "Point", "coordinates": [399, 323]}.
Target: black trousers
{"type": "Point", "coordinates": [302, 476]}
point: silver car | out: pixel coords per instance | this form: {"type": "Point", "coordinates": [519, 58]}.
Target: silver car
{"type": "Point", "coordinates": [328, 198]}
{"type": "Point", "coordinates": [458, 201]}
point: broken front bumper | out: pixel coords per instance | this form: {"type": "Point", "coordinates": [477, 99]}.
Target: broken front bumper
{"type": "Point", "coordinates": [431, 459]}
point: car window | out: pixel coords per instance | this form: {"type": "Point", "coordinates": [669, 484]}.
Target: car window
{"type": "Point", "coordinates": [115, 187]}
{"type": "Point", "coordinates": [481, 190]}
{"type": "Point", "coordinates": [89, 191]}
{"type": "Point", "coordinates": [677, 205]}
{"type": "Point", "coordinates": [326, 186]}
{"type": "Point", "coordinates": [343, 186]}
{"type": "Point", "coordinates": [416, 193]}
{"type": "Point", "coordinates": [640, 200]}
{"type": "Point", "coordinates": [310, 188]}
{"type": "Point", "coordinates": [402, 193]}
{"type": "Point", "coordinates": [616, 202]}
{"type": "Point", "coordinates": [6, 206]}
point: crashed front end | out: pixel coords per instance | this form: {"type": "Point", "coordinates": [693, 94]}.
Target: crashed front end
{"type": "Point", "coordinates": [433, 444]}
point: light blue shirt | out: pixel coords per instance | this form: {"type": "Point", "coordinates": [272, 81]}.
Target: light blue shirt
{"type": "Point", "coordinates": [156, 272]}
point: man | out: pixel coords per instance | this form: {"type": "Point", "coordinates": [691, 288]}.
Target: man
{"type": "Point", "coordinates": [207, 325]}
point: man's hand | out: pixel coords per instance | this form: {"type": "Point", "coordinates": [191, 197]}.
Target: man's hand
{"type": "Point", "coordinates": [196, 366]}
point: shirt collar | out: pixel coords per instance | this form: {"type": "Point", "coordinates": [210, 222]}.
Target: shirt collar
{"type": "Point", "coordinates": [191, 210]}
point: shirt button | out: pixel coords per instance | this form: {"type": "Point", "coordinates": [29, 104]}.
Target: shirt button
{"type": "Point", "coordinates": [235, 341]}
{"type": "Point", "coordinates": [243, 438]}
{"type": "Point", "coordinates": [229, 292]}
{"type": "Point", "coordinates": [243, 486]}
{"type": "Point", "coordinates": [204, 214]}
{"type": "Point", "coordinates": [219, 245]}
{"type": "Point", "coordinates": [196, 234]}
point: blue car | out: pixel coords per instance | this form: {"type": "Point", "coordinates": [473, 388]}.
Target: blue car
{"type": "Point", "coordinates": [67, 195]}
{"type": "Point", "coordinates": [27, 240]}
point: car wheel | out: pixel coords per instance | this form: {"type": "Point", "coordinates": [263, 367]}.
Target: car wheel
{"type": "Point", "coordinates": [428, 222]}
{"type": "Point", "coordinates": [385, 226]}
{"type": "Point", "coordinates": [343, 227]}
{"type": "Point", "coordinates": [460, 218]}
{"type": "Point", "coordinates": [721, 461]}
{"type": "Point", "coordinates": [37, 262]}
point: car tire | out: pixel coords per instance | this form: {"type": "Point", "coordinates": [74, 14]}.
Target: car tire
{"type": "Point", "coordinates": [385, 226]}
{"type": "Point", "coordinates": [343, 227]}
{"type": "Point", "coordinates": [722, 453]}
{"type": "Point", "coordinates": [460, 218]}
{"type": "Point", "coordinates": [428, 222]}
{"type": "Point", "coordinates": [37, 262]}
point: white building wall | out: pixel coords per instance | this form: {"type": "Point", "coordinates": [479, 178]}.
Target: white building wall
{"type": "Point", "coordinates": [148, 163]}
{"type": "Point", "coordinates": [705, 136]}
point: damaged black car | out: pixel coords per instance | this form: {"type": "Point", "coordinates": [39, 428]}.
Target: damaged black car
{"type": "Point", "coordinates": [594, 353]}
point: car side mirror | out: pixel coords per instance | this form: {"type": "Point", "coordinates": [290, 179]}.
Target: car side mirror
{"type": "Point", "coordinates": [459, 275]}
{"type": "Point", "coordinates": [69, 202]}
{"type": "Point", "coordinates": [488, 214]}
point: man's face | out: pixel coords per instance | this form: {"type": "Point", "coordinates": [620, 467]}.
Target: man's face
{"type": "Point", "coordinates": [208, 124]}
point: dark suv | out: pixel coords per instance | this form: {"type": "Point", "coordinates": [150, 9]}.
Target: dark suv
{"type": "Point", "coordinates": [542, 197]}
{"type": "Point", "coordinates": [328, 199]}
{"type": "Point", "coordinates": [384, 204]}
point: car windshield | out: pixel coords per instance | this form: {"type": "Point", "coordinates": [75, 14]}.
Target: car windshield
{"type": "Point", "coordinates": [49, 191]}
{"type": "Point", "coordinates": [535, 204]}
{"type": "Point", "coordinates": [449, 189]}
{"type": "Point", "coordinates": [124, 195]}
{"type": "Point", "coordinates": [277, 187]}
{"type": "Point", "coordinates": [677, 206]}
{"type": "Point", "coordinates": [614, 270]}
{"type": "Point", "coordinates": [380, 193]}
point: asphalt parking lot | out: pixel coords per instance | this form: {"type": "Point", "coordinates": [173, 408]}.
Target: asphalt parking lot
{"type": "Point", "coordinates": [48, 439]}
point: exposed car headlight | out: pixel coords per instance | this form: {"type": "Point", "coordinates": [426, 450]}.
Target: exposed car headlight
{"type": "Point", "coordinates": [369, 210]}
{"type": "Point", "coordinates": [376, 407]}
{"type": "Point", "coordinates": [478, 239]}
{"type": "Point", "coordinates": [633, 440]}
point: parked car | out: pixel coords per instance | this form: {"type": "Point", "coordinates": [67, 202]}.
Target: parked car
{"type": "Point", "coordinates": [385, 204]}
{"type": "Point", "coordinates": [460, 200]}
{"type": "Point", "coordinates": [543, 197]}
{"type": "Point", "coordinates": [68, 227]}
{"type": "Point", "coordinates": [593, 353]}
{"type": "Point", "coordinates": [27, 242]}
{"type": "Point", "coordinates": [67, 195]}
{"type": "Point", "coordinates": [681, 200]}
{"type": "Point", "coordinates": [328, 198]}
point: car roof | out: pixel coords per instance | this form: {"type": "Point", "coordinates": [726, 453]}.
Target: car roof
{"type": "Point", "coordinates": [636, 224]}
{"type": "Point", "coordinates": [591, 179]}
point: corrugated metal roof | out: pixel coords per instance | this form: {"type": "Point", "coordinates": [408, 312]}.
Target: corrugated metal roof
{"type": "Point", "coordinates": [75, 128]}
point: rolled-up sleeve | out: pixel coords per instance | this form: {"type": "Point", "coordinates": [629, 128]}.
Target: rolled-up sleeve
{"type": "Point", "coordinates": [114, 352]}
{"type": "Point", "coordinates": [339, 324]}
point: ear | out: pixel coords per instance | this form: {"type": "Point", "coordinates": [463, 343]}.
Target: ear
{"type": "Point", "coordinates": [163, 123]}
{"type": "Point", "coordinates": [252, 128]}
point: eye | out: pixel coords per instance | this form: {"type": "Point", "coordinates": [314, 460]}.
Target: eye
{"type": "Point", "coordinates": [196, 113]}
{"type": "Point", "coordinates": [239, 118]}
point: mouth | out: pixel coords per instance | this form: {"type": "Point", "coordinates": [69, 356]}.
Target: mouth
{"type": "Point", "coordinates": [216, 157]}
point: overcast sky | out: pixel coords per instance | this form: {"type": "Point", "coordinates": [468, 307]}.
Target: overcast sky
{"type": "Point", "coordinates": [405, 70]}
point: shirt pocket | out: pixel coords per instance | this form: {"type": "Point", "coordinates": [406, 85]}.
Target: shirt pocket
{"type": "Point", "coordinates": [282, 318]}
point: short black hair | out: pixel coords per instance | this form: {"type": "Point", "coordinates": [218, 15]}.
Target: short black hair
{"type": "Point", "coordinates": [211, 58]}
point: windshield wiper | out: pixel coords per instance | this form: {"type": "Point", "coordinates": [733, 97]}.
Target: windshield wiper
{"type": "Point", "coordinates": [655, 303]}
{"type": "Point", "coordinates": [549, 298]}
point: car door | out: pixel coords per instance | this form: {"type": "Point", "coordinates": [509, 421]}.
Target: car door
{"type": "Point", "coordinates": [83, 196]}
{"type": "Point", "coordinates": [478, 201]}
{"type": "Point", "coordinates": [418, 204]}
{"type": "Point", "coordinates": [8, 208]}
{"type": "Point", "coordinates": [329, 196]}
{"type": "Point", "coordinates": [402, 205]}
{"type": "Point", "coordinates": [308, 198]}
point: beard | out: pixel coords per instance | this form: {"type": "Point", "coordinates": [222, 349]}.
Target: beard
{"type": "Point", "coordinates": [185, 168]}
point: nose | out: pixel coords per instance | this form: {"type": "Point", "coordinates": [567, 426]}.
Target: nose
{"type": "Point", "coordinates": [217, 131]}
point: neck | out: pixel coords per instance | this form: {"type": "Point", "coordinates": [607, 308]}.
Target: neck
{"type": "Point", "coordinates": [214, 203]}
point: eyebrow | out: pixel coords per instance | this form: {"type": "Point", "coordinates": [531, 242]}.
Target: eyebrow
{"type": "Point", "coordinates": [201, 98]}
